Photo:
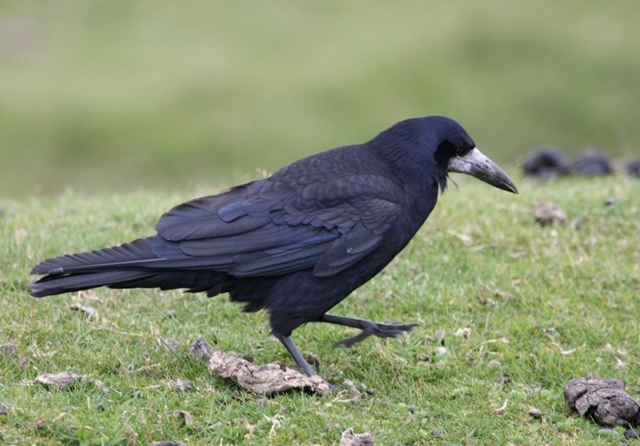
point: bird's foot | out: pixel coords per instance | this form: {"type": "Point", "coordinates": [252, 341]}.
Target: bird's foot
{"type": "Point", "coordinates": [370, 328]}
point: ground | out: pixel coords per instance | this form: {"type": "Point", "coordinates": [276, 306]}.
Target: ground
{"type": "Point", "coordinates": [509, 312]}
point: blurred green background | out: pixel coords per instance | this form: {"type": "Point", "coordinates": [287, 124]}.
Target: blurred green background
{"type": "Point", "coordinates": [122, 95]}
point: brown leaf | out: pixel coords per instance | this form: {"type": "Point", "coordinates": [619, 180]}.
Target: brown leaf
{"type": "Point", "coordinates": [549, 214]}
{"type": "Point", "coordinates": [185, 417]}
{"type": "Point", "coordinates": [535, 413]}
{"type": "Point", "coordinates": [90, 313]}
{"type": "Point", "coordinates": [269, 378]}
{"type": "Point", "coordinates": [9, 349]}
{"type": "Point", "coordinates": [201, 350]}
{"type": "Point", "coordinates": [181, 385]}
{"type": "Point", "coordinates": [350, 438]}
{"type": "Point", "coordinates": [59, 380]}
{"type": "Point", "coordinates": [22, 363]}
{"type": "Point", "coordinates": [63, 380]}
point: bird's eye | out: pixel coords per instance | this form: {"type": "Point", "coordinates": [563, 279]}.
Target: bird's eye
{"type": "Point", "coordinates": [464, 150]}
{"type": "Point", "coordinates": [446, 151]}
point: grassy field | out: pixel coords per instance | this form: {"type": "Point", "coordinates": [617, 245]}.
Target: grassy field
{"type": "Point", "coordinates": [106, 106]}
{"type": "Point", "coordinates": [119, 95]}
{"type": "Point", "coordinates": [542, 305]}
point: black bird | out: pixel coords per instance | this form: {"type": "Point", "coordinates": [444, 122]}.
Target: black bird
{"type": "Point", "coordinates": [300, 241]}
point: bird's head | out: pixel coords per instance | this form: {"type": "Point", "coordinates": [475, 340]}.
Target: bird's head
{"type": "Point", "coordinates": [434, 146]}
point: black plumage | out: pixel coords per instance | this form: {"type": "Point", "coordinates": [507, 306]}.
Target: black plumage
{"type": "Point", "coordinates": [298, 242]}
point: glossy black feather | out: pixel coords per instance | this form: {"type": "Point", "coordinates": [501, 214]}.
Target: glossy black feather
{"type": "Point", "coordinates": [296, 243]}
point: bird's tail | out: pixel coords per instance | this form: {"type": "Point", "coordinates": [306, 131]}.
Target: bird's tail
{"type": "Point", "coordinates": [132, 265]}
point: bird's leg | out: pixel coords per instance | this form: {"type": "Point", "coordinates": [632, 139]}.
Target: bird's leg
{"type": "Point", "coordinates": [295, 354]}
{"type": "Point", "coordinates": [369, 328]}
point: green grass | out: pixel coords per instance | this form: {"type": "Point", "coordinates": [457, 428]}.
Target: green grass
{"type": "Point", "coordinates": [480, 263]}
{"type": "Point", "coordinates": [118, 95]}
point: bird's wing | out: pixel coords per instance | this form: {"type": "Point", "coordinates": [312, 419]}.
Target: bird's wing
{"type": "Point", "coordinates": [268, 228]}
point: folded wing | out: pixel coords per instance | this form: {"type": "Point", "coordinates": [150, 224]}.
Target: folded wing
{"type": "Point", "coordinates": [265, 228]}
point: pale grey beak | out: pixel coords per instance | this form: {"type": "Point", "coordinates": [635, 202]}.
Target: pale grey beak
{"type": "Point", "coordinates": [477, 165]}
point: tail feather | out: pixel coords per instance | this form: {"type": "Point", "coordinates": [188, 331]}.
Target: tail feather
{"type": "Point", "coordinates": [131, 265]}
{"type": "Point", "coordinates": [141, 253]}
{"type": "Point", "coordinates": [58, 284]}
{"type": "Point", "coordinates": [127, 253]}
{"type": "Point", "coordinates": [193, 281]}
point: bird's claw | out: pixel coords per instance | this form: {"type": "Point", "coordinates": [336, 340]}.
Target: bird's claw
{"type": "Point", "coordinates": [376, 329]}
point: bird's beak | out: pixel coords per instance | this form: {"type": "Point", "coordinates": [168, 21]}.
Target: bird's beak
{"type": "Point", "coordinates": [477, 165]}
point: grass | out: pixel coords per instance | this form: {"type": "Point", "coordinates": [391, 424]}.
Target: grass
{"type": "Point", "coordinates": [118, 95]}
{"type": "Point", "coordinates": [543, 305]}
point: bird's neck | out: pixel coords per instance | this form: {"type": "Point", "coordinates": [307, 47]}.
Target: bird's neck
{"type": "Point", "coordinates": [420, 180]}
